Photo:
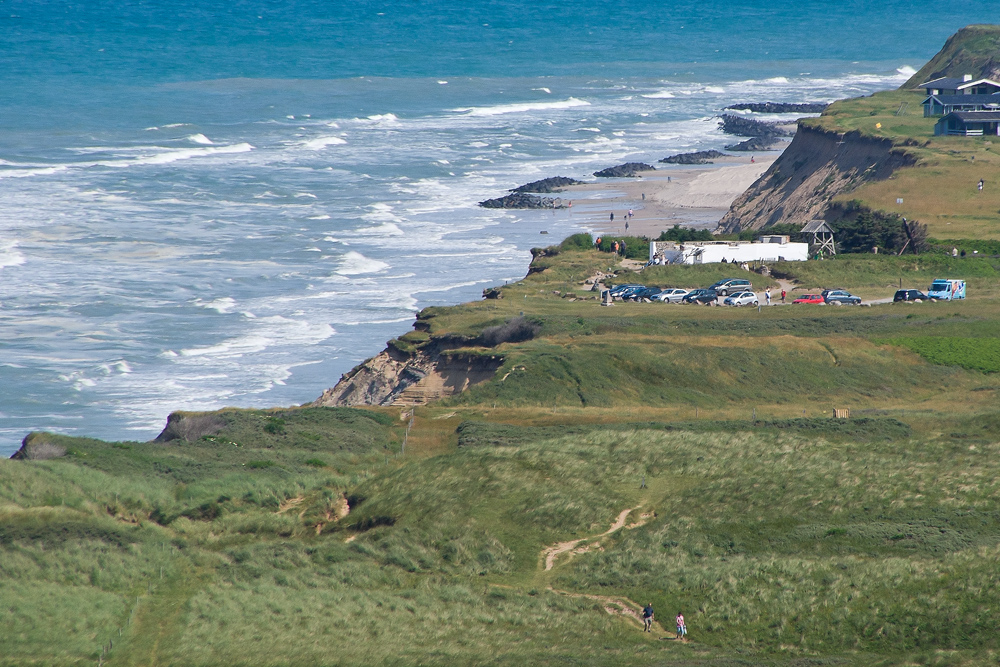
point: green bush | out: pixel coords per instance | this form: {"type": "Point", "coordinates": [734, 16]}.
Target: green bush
{"type": "Point", "coordinates": [259, 465]}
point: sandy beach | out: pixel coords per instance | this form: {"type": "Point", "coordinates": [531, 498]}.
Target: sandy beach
{"type": "Point", "coordinates": [692, 196]}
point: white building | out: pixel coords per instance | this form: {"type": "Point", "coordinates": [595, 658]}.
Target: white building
{"type": "Point", "coordinates": [764, 249]}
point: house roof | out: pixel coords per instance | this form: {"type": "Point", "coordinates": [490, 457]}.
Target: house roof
{"type": "Point", "coordinates": [945, 83]}
{"type": "Point", "coordinates": [991, 98]}
{"type": "Point", "coordinates": [977, 82]}
{"type": "Point", "coordinates": [814, 226]}
{"type": "Point", "coordinates": [975, 116]}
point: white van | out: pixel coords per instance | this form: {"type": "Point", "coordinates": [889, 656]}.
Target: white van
{"type": "Point", "coordinates": [946, 290]}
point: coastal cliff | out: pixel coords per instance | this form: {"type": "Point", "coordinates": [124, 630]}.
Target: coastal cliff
{"type": "Point", "coordinates": [393, 377]}
{"type": "Point", "coordinates": [815, 167]}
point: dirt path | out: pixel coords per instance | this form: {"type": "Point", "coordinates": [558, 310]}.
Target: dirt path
{"type": "Point", "coordinates": [550, 554]}
{"type": "Point", "coordinates": [615, 605]}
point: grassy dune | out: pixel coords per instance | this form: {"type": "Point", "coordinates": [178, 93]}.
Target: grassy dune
{"type": "Point", "coordinates": [941, 189]}
{"type": "Point", "coordinates": [701, 438]}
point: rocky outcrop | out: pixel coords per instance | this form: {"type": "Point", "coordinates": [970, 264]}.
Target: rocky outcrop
{"type": "Point", "coordinates": [395, 378]}
{"type": "Point", "coordinates": [39, 447]}
{"type": "Point", "coordinates": [779, 107]}
{"type": "Point", "coordinates": [522, 201]}
{"type": "Point", "coordinates": [756, 144]}
{"type": "Point", "coordinates": [749, 127]}
{"type": "Point", "coordinates": [816, 166]}
{"type": "Point", "coordinates": [626, 170]}
{"type": "Point", "coordinates": [697, 157]}
{"type": "Point", "coordinates": [191, 426]}
{"type": "Point", "coordinates": [547, 185]}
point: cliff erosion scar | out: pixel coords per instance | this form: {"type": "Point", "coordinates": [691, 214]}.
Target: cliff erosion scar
{"type": "Point", "coordinates": [818, 165]}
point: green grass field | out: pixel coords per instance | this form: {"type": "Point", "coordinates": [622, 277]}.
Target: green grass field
{"type": "Point", "coordinates": [305, 536]}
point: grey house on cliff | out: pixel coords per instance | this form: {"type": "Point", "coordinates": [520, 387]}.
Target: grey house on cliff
{"type": "Point", "coordinates": [946, 95]}
{"type": "Point", "coordinates": [969, 124]}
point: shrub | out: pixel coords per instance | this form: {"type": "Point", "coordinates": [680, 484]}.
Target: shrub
{"type": "Point", "coordinates": [316, 463]}
{"type": "Point", "coordinates": [513, 331]}
{"type": "Point", "coordinates": [258, 465]}
{"type": "Point", "coordinates": [577, 242]}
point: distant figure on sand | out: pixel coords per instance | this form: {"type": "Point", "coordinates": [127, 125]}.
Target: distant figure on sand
{"type": "Point", "coordinates": [980, 185]}
{"type": "Point", "coordinates": [612, 216]}
{"type": "Point", "coordinates": [681, 627]}
{"type": "Point", "coordinates": [630, 214]}
{"type": "Point", "coordinates": [767, 296]}
{"type": "Point", "coordinates": [647, 618]}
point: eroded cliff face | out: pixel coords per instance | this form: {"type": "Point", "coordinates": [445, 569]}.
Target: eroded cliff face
{"type": "Point", "coordinates": [816, 166]}
{"type": "Point", "coordinates": [395, 378]}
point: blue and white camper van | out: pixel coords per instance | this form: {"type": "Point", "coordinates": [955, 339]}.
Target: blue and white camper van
{"type": "Point", "coordinates": [946, 290]}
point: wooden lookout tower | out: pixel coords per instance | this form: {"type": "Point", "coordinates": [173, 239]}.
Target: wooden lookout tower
{"type": "Point", "coordinates": [822, 242]}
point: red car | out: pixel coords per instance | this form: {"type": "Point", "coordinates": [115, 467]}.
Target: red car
{"type": "Point", "coordinates": [810, 298]}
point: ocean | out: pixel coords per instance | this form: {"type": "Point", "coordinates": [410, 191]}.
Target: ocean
{"type": "Point", "coordinates": [208, 204]}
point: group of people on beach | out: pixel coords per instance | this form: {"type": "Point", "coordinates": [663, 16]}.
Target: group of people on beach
{"type": "Point", "coordinates": [647, 622]}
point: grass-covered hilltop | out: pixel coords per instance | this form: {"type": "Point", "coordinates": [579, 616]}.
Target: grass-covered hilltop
{"type": "Point", "coordinates": [511, 481]}
{"type": "Point", "coordinates": [862, 155]}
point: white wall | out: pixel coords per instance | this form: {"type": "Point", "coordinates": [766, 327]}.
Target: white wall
{"type": "Point", "coordinates": [741, 252]}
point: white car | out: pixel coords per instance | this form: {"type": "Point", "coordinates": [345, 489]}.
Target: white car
{"type": "Point", "coordinates": [670, 295]}
{"type": "Point", "coordinates": [742, 299]}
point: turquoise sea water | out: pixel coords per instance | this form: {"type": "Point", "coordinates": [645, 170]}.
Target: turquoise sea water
{"type": "Point", "coordinates": [232, 203]}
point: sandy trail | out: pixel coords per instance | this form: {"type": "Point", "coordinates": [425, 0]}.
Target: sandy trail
{"type": "Point", "coordinates": [550, 554]}
{"type": "Point", "coordinates": [614, 605]}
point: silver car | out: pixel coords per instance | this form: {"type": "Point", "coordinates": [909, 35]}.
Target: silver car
{"type": "Point", "coordinates": [742, 299]}
{"type": "Point", "coordinates": [670, 295]}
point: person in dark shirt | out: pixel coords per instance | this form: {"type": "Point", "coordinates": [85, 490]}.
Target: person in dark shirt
{"type": "Point", "coordinates": [647, 618]}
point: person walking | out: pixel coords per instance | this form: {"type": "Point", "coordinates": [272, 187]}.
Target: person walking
{"type": "Point", "coordinates": [782, 296]}
{"type": "Point", "coordinates": [681, 627]}
{"type": "Point", "coordinates": [647, 618]}
{"type": "Point", "coordinates": [612, 216]}
{"type": "Point", "coordinates": [767, 296]}
{"type": "Point", "coordinates": [980, 185]}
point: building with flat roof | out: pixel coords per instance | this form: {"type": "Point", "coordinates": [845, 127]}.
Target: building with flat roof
{"type": "Point", "coordinates": [765, 249]}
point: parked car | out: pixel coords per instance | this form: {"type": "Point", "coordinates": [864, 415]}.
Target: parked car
{"type": "Point", "coordinates": [704, 296]}
{"type": "Point", "coordinates": [630, 293]}
{"type": "Point", "coordinates": [742, 299]}
{"type": "Point", "coordinates": [619, 290]}
{"type": "Point", "coordinates": [670, 295]}
{"type": "Point", "coordinates": [730, 286]}
{"type": "Point", "coordinates": [839, 297]}
{"type": "Point", "coordinates": [647, 293]}
{"type": "Point", "coordinates": [913, 295]}
{"type": "Point", "coordinates": [810, 298]}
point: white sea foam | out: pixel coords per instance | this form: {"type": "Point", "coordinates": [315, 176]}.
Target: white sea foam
{"type": "Point", "coordinates": [660, 95]}
{"type": "Point", "coordinates": [175, 125]}
{"type": "Point", "coordinates": [200, 139]}
{"type": "Point", "coordinates": [319, 217]}
{"type": "Point", "coordinates": [906, 71]}
{"type": "Point", "coordinates": [714, 89]}
{"type": "Point", "coordinates": [544, 90]}
{"type": "Point", "coordinates": [320, 143]}
{"type": "Point", "coordinates": [355, 264]}
{"type": "Point", "coordinates": [267, 332]}
{"type": "Point", "coordinates": [222, 305]}
{"type": "Point", "coordinates": [10, 255]}
{"type": "Point", "coordinates": [521, 107]}
{"type": "Point", "coordinates": [587, 129]}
